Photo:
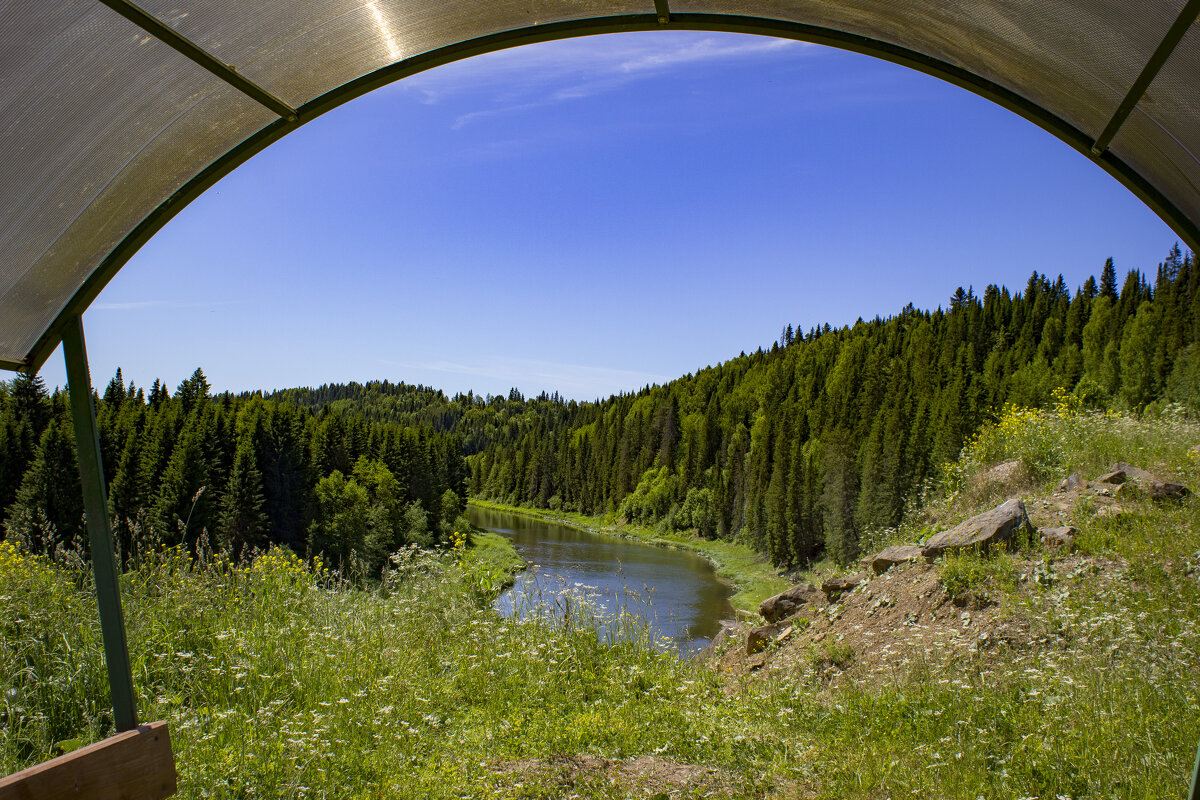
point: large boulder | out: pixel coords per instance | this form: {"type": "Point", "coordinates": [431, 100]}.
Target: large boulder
{"type": "Point", "coordinates": [986, 530]}
{"type": "Point", "coordinates": [1155, 487]}
{"type": "Point", "coordinates": [1110, 512]}
{"type": "Point", "coordinates": [836, 587]}
{"type": "Point", "coordinates": [758, 639]}
{"type": "Point", "coordinates": [1072, 482]}
{"type": "Point", "coordinates": [1164, 490]}
{"type": "Point", "coordinates": [719, 642]}
{"type": "Point", "coordinates": [787, 603]}
{"type": "Point", "coordinates": [1007, 474]}
{"type": "Point", "coordinates": [1114, 478]}
{"type": "Point", "coordinates": [1064, 537]}
{"type": "Point", "coordinates": [1134, 473]}
{"type": "Point", "coordinates": [896, 554]}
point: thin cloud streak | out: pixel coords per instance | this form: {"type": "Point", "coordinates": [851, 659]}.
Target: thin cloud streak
{"type": "Point", "coordinates": [707, 49]}
{"type": "Point", "coordinates": [537, 76]}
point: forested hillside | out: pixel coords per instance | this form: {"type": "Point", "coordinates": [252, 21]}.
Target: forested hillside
{"type": "Point", "coordinates": [241, 471]}
{"type": "Point", "coordinates": [801, 448]}
{"type": "Point", "coordinates": [480, 421]}
{"type": "Point", "coordinates": [796, 450]}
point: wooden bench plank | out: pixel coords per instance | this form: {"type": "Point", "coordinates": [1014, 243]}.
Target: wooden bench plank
{"type": "Point", "coordinates": [134, 765]}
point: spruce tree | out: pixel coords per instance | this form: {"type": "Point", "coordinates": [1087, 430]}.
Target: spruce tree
{"type": "Point", "coordinates": [242, 521]}
{"type": "Point", "coordinates": [1108, 280]}
{"type": "Point", "coordinates": [48, 512]}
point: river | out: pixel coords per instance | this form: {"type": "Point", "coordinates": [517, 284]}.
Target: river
{"type": "Point", "coordinates": [677, 591]}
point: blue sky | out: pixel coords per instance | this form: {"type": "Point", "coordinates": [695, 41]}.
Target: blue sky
{"type": "Point", "coordinates": [593, 215]}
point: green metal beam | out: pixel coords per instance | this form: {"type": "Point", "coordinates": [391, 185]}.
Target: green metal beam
{"type": "Point", "coordinates": [663, 11]}
{"type": "Point", "coordinates": [95, 504]}
{"type": "Point", "coordinates": [169, 36]}
{"type": "Point", "coordinates": [1194, 793]}
{"type": "Point", "coordinates": [1175, 34]}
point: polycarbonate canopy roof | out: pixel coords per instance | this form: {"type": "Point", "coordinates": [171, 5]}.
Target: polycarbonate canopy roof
{"type": "Point", "coordinates": [114, 116]}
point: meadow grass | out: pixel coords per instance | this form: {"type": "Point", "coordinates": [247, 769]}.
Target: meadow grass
{"type": "Point", "coordinates": [1065, 438]}
{"type": "Point", "coordinates": [281, 680]}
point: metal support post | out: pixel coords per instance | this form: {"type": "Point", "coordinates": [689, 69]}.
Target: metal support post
{"type": "Point", "coordinates": [95, 504]}
{"type": "Point", "coordinates": [1194, 793]}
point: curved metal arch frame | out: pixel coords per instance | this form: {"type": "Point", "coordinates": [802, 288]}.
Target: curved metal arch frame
{"type": "Point", "coordinates": [1188, 229]}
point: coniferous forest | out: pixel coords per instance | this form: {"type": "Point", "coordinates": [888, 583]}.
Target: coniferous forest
{"type": "Point", "coordinates": [226, 472]}
{"type": "Point", "coordinates": [800, 448]}
{"type": "Point", "coordinates": [796, 450]}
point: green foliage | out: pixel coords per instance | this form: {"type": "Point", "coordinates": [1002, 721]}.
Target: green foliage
{"type": "Point", "coordinates": [696, 513]}
{"type": "Point", "coordinates": [651, 500]}
{"type": "Point", "coordinates": [1183, 385]}
{"type": "Point", "coordinates": [242, 472]}
{"type": "Point", "coordinates": [828, 437]}
{"type": "Point", "coordinates": [280, 680]}
{"type": "Point", "coordinates": [48, 512]}
{"type": "Point", "coordinates": [966, 570]}
{"type": "Point", "coordinates": [832, 654]}
{"type": "Point", "coordinates": [1067, 438]}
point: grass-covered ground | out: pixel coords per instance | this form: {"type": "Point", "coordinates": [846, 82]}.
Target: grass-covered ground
{"type": "Point", "coordinates": [752, 575]}
{"type": "Point", "coordinates": [280, 681]}
{"type": "Point", "coordinates": [493, 560]}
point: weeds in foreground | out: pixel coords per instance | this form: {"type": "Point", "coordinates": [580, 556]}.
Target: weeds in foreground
{"type": "Point", "coordinates": [282, 681]}
{"type": "Point", "coordinates": [1065, 438]}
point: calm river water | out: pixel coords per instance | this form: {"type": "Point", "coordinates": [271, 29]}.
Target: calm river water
{"type": "Point", "coordinates": [686, 601]}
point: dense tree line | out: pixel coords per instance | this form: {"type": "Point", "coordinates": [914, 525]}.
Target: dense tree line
{"type": "Point", "coordinates": [243, 471]}
{"type": "Point", "coordinates": [800, 448]}
{"type": "Point", "coordinates": [796, 449]}
{"type": "Point", "coordinates": [480, 421]}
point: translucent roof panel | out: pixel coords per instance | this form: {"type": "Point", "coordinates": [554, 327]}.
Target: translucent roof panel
{"type": "Point", "coordinates": [109, 126]}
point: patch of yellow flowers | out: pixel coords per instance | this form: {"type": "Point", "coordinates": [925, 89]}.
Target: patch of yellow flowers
{"type": "Point", "coordinates": [15, 563]}
{"type": "Point", "coordinates": [279, 566]}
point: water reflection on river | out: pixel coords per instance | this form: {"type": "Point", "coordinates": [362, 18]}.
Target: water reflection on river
{"type": "Point", "coordinates": [679, 592]}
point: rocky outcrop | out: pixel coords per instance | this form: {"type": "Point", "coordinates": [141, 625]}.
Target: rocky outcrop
{"type": "Point", "coordinates": [1007, 474]}
{"type": "Point", "coordinates": [1133, 473]}
{"type": "Point", "coordinates": [1152, 485]}
{"type": "Point", "coordinates": [1061, 537]}
{"type": "Point", "coordinates": [1114, 478]}
{"type": "Point", "coordinates": [787, 603]}
{"type": "Point", "coordinates": [985, 531]}
{"type": "Point", "coordinates": [836, 587]}
{"type": "Point", "coordinates": [758, 639]}
{"type": "Point", "coordinates": [896, 554]}
{"type": "Point", "coordinates": [1071, 482]}
{"type": "Point", "coordinates": [1129, 491]}
{"type": "Point", "coordinates": [1164, 490]}
{"type": "Point", "coordinates": [973, 599]}
{"type": "Point", "coordinates": [1110, 512]}
{"type": "Point", "coordinates": [718, 644]}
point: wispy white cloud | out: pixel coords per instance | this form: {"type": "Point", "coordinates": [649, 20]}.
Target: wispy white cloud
{"type": "Point", "coordinates": [474, 116]}
{"type": "Point", "coordinates": [708, 48]}
{"type": "Point", "coordinates": [536, 76]}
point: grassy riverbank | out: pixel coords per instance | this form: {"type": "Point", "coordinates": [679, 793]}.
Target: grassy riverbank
{"type": "Point", "coordinates": [748, 572]}
{"type": "Point", "coordinates": [494, 560]}
{"type": "Point", "coordinates": [280, 680]}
